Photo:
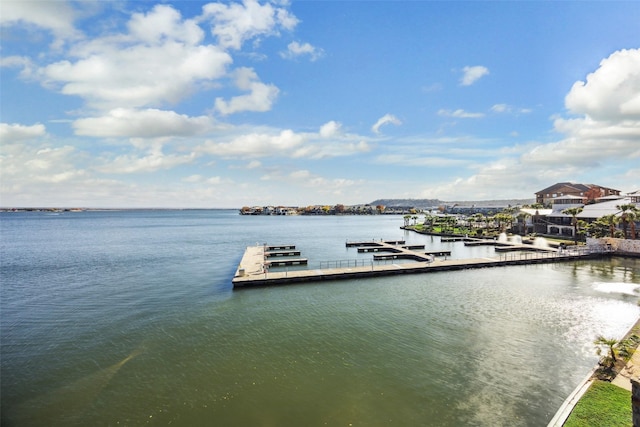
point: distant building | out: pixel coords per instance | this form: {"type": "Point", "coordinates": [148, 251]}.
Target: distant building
{"type": "Point", "coordinates": [559, 223]}
{"type": "Point", "coordinates": [584, 191]}
{"type": "Point", "coordinates": [556, 223]}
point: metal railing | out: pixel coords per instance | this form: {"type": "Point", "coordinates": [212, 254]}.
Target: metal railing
{"type": "Point", "coordinates": [569, 251]}
{"type": "Point", "coordinates": [345, 263]}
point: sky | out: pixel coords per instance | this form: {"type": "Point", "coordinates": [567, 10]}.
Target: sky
{"type": "Point", "coordinates": [189, 104]}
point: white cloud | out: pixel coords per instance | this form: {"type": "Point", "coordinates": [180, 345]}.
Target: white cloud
{"type": "Point", "coordinates": [28, 169]}
{"type": "Point", "coordinates": [157, 60]}
{"type": "Point", "coordinates": [300, 174]}
{"type": "Point", "coordinates": [587, 143]}
{"type": "Point", "coordinates": [472, 74]}
{"type": "Point", "coordinates": [323, 149]}
{"type": "Point", "coordinates": [500, 108]}
{"type": "Point", "coordinates": [330, 129]}
{"type": "Point", "coordinates": [505, 108]}
{"type": "Point", "coordinates": [153, 161]}
{"type": "Point", "coordinates": [260, 97]}
{"type": "Point", "coordinates": [306, 180]}
{"type": "Point", "coordinates": [120, 76]}
{"type": "Point", "coordinates": [295, 49]}
{"type": "Point", "coordinates": [607, 133]}
{"type": "Point", "coordinates": [235, 23]}
{"type": "Point", "coordinates": [25, 64]}
{"type": "Point", "coordinates": [15, 132]}
{"type": "Point", "coordinates": [386, 119]}
{"type": "Point", "coordinates": [459, 113]}
{"type": "Point", "coordinates": [58, 16]}
{"type": "Point", "coordinates": [164, 22]}
{"type": "Point", "coordinates": [256, 145]}
{"type": "Point", "coordinates": [612, 92]}
{"type": "Point", "coordinates": [150, 123]}
{"type": "Point", "coordinates": [328, 142]}
{"type": "Point", "coordinates": [199, 179]}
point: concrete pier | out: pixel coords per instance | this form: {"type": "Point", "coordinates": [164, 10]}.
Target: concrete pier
{"type": "Point", "coordinates": [253, 269]}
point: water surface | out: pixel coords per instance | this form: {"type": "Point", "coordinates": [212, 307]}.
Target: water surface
{"type": "Point", "coordinates": [129, 318]}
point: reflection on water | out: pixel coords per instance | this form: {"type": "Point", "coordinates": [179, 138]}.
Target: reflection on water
{"type": "Point", "coordinates": [620, 288]}
{"type": "Point", "coordinates": [479, 347]}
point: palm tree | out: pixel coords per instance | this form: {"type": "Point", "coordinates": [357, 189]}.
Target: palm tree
{"type": "Point", "coordinates": [599, 228]}
{"type": "Point", "coordinates": [522, 218]}
{"type": "Point", "coordinates": [509, 218]}
{"type": "Point", "coordinates": [629, 215]}
{"type": "Point", "coordinates": [633, 215]}
{"type": "Point", "coordinates": [501, 218]}
{"type": "Point", "coordinates": [429, 220]}
{"type": "Point", "coordinates": [478, 219]}
{"type": "Point", "coordinates": [574, 220]}
{"type": "Point", "coordinates": [611, 220]}
{"type": "Point", "coordinates": [610, 344]}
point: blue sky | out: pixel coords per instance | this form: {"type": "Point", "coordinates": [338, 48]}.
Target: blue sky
{"type": "Point", "coordinates": [197, 104]}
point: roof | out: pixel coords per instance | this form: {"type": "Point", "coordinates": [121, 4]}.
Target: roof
{"type": "Point", "coordinates": [611, 197]}
{"type": "Point", "coordinates": [598, 210]}
{"type": "Point", "coordinates": [573, 185]}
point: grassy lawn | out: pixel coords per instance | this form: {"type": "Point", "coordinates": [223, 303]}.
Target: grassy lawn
{"type": "Point", "coordinates": [603, 405]}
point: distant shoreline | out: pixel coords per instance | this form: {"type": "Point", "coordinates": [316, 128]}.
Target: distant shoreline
{"type": "Point", "coordinates": [74, 210]}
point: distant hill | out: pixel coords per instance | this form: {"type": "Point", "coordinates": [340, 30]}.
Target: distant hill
{"type": "Point", "coordinates": [412, 203]}
{"type": "Point", "coordinates": [434, 203]}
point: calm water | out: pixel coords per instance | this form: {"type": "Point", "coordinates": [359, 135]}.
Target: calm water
{"type": "Point", "coordinates": [129, 318]}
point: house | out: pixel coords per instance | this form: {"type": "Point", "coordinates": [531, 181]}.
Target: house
{"type": "Point", "coordinates": [585, 191]}
{"type": "Point", "coordinates": [635, 197]}
{"type": "Point", "coordinates": [558, 222]}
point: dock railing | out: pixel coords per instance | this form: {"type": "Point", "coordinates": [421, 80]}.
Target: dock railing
{"type": "Point", "coordinates": [569, 251]}
{"type": "Point", "coordinates": [345, 263]}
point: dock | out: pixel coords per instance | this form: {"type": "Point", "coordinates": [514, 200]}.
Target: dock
{"type": "Point", "coordinates": [284, 262]}
{"type": "Point", "coordinates": [254, 267]}
{"type": "Point", "coordinates": [453, 239]}
{"type": "Point", "coordinates": [438, 253]}
{"type": "Point", "coordinates": [280, 247]}
{"type": "Point", "coordinates": [282, 253]}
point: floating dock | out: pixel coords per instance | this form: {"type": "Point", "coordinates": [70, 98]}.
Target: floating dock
{"type": "Point", "coordinates": [254, 267]}
{"type": "Point", "coordinates": [284, 262]}
{"type": "Point", "coordinates": [282, 253]}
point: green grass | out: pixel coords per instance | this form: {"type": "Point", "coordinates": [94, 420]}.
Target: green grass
{"type": "Point", "coordinates": [603, 405]}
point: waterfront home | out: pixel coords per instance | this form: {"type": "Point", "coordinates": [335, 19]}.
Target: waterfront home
{"type": "Point", "coordinates": [587, 192]}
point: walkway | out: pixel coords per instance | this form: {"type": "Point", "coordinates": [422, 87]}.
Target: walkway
{"type": "Point", "coordinates": [252, 271]}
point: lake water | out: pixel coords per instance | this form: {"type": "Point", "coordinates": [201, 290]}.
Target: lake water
{"type": "Point", "coordinates": [129, 318]}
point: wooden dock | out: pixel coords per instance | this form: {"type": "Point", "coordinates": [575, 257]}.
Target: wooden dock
{"type": "Point", "coordinates": [253, 269]}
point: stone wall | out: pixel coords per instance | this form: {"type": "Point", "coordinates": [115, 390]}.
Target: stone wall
{"type": "Point", "coordinates": [626, 246]}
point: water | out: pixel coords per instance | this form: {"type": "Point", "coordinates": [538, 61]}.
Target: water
{"type": "Point", "coordinates": [129, 318]}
